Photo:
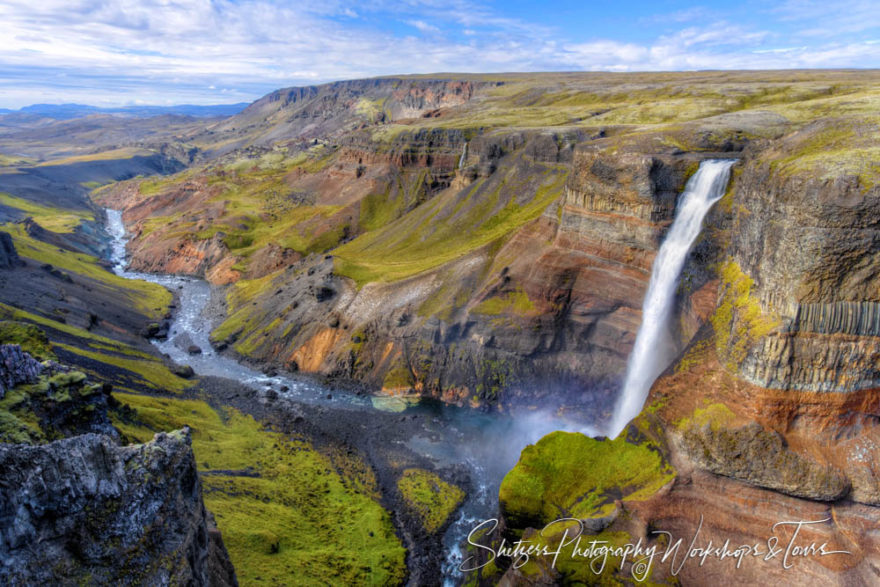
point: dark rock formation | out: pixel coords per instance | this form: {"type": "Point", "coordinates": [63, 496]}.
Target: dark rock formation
{"type": "Point", "coordinates": [16, 366]}
{"type": "Point", "coordinates": [9, 258]}
{"type": "Point", "coordinates": [84, 510]}
{"type": "Point", "coordinates": [759, 456]}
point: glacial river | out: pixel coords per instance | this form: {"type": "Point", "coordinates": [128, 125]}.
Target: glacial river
{"type": "Point", "coordinates": [488, 444]}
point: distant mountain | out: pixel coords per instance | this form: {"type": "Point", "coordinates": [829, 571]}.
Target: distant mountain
{"type": "Point", "coordinates": [68, 111]}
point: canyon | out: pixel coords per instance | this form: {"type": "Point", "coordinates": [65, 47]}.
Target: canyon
{"type": "Point", "coordinates": [486, 242]}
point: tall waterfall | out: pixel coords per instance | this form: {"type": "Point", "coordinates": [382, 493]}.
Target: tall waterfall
{"type": "Point", "coordinates": [654, 348]}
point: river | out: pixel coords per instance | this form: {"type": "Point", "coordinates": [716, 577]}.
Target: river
{"type": "Point", "coordinates": [487, 444]}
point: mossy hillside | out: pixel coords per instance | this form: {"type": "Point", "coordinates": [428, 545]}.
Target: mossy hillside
{"type": "Point", "coordinates": [31, 339]}
{"type": "Point", "coordinates": [112, 154]}
{"type": "Point", "coordinates": [15, 160]}
{"type": "Point", "coordinates": [402, 192]}
{"type": "Point", "coordinates": [432, 499]}
{"type": "Point", "coordinates": [149, 298]}
{"type": "Point", "coordinates": [55, 219]}
{"type": "Point", "coordinates": [571, 475]}
{"type": "Point", "coordinates": [739, 322]}
{"type": "Point", "coordinates": [400, 376]}
{"type": "Point", "coordinates": [103, 358]}
{"type": "Point", "coordinates": [451, 224]}
{"type": "Point", "coordinates": [295, 519]}
{"type": "Point", "coordinates": [130, 372]}
{"type": "Point", "coordinates": [258, 205]}
{"type": "Point", "coordinates": [241, 312]}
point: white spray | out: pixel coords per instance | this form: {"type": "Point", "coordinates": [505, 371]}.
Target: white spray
{"type": "Point", "coordinates": [654, 348]}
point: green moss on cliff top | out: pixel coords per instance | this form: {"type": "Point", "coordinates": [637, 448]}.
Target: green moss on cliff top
{"type": "Point", "coordinates": [571, 475]}
{"type": "Point", "coordinates": [833, 148]}
{"type": "Point", "coordinates": [287, 514]}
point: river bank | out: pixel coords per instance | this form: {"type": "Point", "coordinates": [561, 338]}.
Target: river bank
{"type": "Point", "coordinates": [465, 447]}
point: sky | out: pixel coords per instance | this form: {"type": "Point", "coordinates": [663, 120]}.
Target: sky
{"type": "Point", "coordinates": [125, 52]}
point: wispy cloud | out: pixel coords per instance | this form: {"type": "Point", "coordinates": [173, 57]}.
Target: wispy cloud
{"type": "Point", "coordinates": [204, 51]}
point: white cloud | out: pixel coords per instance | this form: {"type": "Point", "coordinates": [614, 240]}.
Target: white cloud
{"type": "Point", "coordinates": [423, 26]}
{"type": "Point", "coordinates": [116, 51]}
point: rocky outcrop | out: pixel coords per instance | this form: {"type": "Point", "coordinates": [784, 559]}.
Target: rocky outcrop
{"type": "Point", "coordinates": [188, 257]}
{"type": "Point", "coordinates": [16, 366]}
{"type": "Point", "coordinates": [759, 456]}
{"type": "Point", "coordinates": [9, 258]}
{"type": "Point", "coordinates": [86, 510]}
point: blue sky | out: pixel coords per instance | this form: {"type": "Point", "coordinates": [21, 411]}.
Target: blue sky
{"type": "Point", "coordinates": [117, 52]}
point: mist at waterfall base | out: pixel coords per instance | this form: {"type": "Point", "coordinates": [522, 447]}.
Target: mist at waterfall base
{"type": "Point", "coordinates": [488, 444]}
{"type": "Point", "coordinates": [655, 347]}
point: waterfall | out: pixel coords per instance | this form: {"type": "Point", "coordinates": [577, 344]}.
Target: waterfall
{"type": "Point", "coordinates": [654, 348]}
{"type": "Point", "coordinates": [463, 157]}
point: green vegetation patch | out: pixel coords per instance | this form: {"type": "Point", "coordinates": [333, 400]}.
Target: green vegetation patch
{"type": "Point", "coordinates": [54, 407]}
{"type": "Point", "coordinates": [243, 315]}
{"type": "Point", "coordinates": [146, 371]}
{"type": "Point", "coordinates": [431, 498]}
{"type": "Point", "coordinates": [59, 220]}
{"type": "Point", "coordinates": [738, 320]}
{"type": "Point", "coordinates": [515, 302]}
{"type": "Point", "coordinates": [571, 475]}
{"type": "Point", "coordinates": [287, 513]}
{"type": "Point", "coordinates": [31, 339]}
{"type": "Point", "coordinates": [716, 416]}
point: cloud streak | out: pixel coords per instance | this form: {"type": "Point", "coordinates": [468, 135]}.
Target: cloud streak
{"type": "Point", "coordinates": [209, 51]}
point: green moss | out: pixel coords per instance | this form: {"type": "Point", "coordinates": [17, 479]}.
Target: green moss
{"type": "Point", "coordinates": [299, 521]}
{"type": "Point", "coordinates": [738, 320]}
{"type": "Point", "coordinates": [431, 498]}
{"type": "Point", "coordinates": [31, 339]}
{"type": "Point", "coordinates": [54, 219]}
{"type": "Point", "coordinates": [398, 377]}
{"type": "Point", "coordinates": [516, 302]}
{"type": "Point", "coordinates": [16, 430]}
{"type": "Point", "coordinates": [241, 313]}
{"type": "Point", "coordinates": [571, 475]}
{"type": "Point", "coordinates": [845, 146]}
{"type": "Point", "coordinates": [716, 416]}
{"type": "Point", "coordinates": [11, 313]}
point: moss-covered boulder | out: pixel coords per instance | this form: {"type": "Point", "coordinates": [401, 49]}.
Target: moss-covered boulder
{"type": "Point", "coordinates": [571, 475]}
{"type": "Point", "coordinates": [431, 498]}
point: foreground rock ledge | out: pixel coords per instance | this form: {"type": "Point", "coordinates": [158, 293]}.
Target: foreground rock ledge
{"type": "Point", "coordinates": [85, 510]}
